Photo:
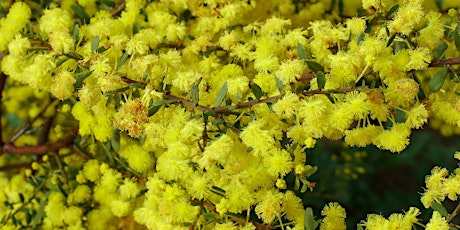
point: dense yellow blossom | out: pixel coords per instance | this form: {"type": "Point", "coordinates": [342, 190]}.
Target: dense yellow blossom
{"type": "Point", "coordinates": [437, 222]}
{"type": "Point", "coordinates": [173, 130]}
{"type": "Point", "coordinates": [334, 217]}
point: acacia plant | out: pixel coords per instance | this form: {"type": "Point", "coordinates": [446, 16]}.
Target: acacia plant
{"type": "Point", "coordinates": [191, 114]}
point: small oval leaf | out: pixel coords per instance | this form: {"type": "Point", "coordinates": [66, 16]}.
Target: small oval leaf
{"type": "Point", "coordinates": [123, 59]}
{"type": "Point", "coordinates": [440, 50]}
{"type": "Point", "coordinates": [94, 44]}
{"type": "Point", "coordinates": [438, 79]}
{"type": "Point", "coordinates": [279, 84]}
{"type": "Point", "coordinates": [301, 52]}
{"type": "Point", "coordinates": [320, 79]}
{"type": "Point", "coordinates": [195, 94]}
{"type": "Point", "coordinates": [221, 95]}
{"type": "Point", "coordinates": [392, 10]}
{"type": "Point", "coordinates": [75, 32]}
{"type": "Point", "coordinates": [80, 12]}
{"type": "Point", "coordinates": [315, 66]}
{"type": "Point", "coordinates": [115, 141]}
{"type": "Point", "coordinates": [309, 219]}
{"type": "Point", "coordinates": [256, 90]}
{"type": "Point", "coordinates": [457, 37]}
{"type": "Point", "coordinates": [439, 208]}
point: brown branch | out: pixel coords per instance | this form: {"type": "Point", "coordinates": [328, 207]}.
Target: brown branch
{"type": "Point", "coordinates": [79, 153]}
{"type": "Point", "coordinates": [118, 8]}
{"type": "Point", "coordinates": [46, 127]}
{"type": "Point", "coordinates": [41, 149]}
{"type": "Point", "coordinates": [246, 104]}
{"type": "Point", "coordinates": [331, 91]}
{"type": "Point", "coordinates": [186, 103]}
{"type": "Point", "coordinates": [15, 166]}
{"type": "Point", "coordinates": [444, 62]}
{"type": "Point", "coordinates": [27, 125]}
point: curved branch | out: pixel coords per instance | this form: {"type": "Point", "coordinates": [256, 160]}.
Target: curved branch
{"type": "Point", "coordinates": [444, 62]}
{"type": "Point", "coordinates": [41, 149]}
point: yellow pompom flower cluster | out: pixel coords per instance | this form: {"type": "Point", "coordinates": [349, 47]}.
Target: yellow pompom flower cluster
{"type": "Point", "coordinates": [334, 217]}
{"type": "Point", "coordinates": [440, 185]}
{"type": "Point", "coordinates": [17, 18]}
{"type": "Point", "coordinates": [394, 221]}
{"type": "Point", "coordinates": [220, 100]}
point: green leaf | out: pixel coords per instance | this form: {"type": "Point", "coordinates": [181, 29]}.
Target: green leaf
{"type": "Point", "coordinates": [101, 50]}
{"type": "Point", "coordinates": [209, 113]}
{"type": "Point", "coordinates": [392, 10]}
{"type": "Point", "coordinates": [21, 197]}
{"type": "Point", "coordinates": [163, 102]}
{"type": "Point", "coordinates": [315, 66]}
{"type": "Point", "coordinates": [208, 216]}
{"type": "Point", "coordinates": [94, 44]}
{"type": "Point", "coordinates": [80, 12]}
{"type": "Point", "coordinates": [391, 39]}
{"type": "Point", "coordinates": [296, 183]}
{"type": "Point", "coordinates": [438, 79]}
{"type": "Point", "coordinates": [82, 76]}
{"type": "Point", "coordinates": [108, 3]}
{"type": "Point", "coordinates": [279, 84]}
{"type": "Point", "coordinates": [320, 79]}
{"type": "Point", "coordinates": [311, 171]}
{"type": "Point", "coordinates": [439, 208]}
{"type": "Point", "coordinates": [75, 32]}
{"type": "Point", "coordinates": [28, 217]}
{"type": "Point", "coordinates": [217, 190]}
{"type": "Point", "coordinates": [341, 7]}
{"type": "Point", "coordinates": [440, 50]}
{"type": "Point", "coordinates": [221, 95]}
{"type": "Point", "coordinates": [301, 52]}
{"type": "Point", "coordinates": [123, 59]}
{"type": "Point", "coordinates": [453, 76]}
{"type": "Point", "coordinates": [359, 227]}
{"type": "Point", "coordinates": [256, 90]}
{"type": "Point", "coordinates": [154, 110]}
{"type": "Point", "coordinates": [107, 152]}
{"type": "Point", "coordinates": [195, 94]}
{"type": "Point", "coordinates": [73, 56]}
{"type": "Point", "coordinates": [60, 62]}
{"type": "Point", "coordinates": [115, 141]}
{"type": "Point", "coordinates": [399, 45]}
{"type": "Point", "coordinates": [304, 188]}
{"type": "Point", "coordinates": [360, 38]}
{"type": "Point", "coordinates": [309, 219]}
{"type": "Point", "coordinates": [457, 37]}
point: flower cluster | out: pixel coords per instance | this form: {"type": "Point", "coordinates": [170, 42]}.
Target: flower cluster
{"type": "Point", "coordinates": [199, 114]}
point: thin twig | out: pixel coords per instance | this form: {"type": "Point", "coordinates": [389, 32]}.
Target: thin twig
{"type": "Point", "coordinates": [41, 149]}
{"type": "Point", "coordinates": [79, 153]}
{"type": "Point", "coordinates": [118, 8]}
{"type": "Point", "coordinates": [27, 125]}
{"type": "Point", "coordinates": [15, 166]}
{"type": "Point", "coordinates": [454, 213]}
{"type": "Point", "coordinates": [444, 62]}
{"type": "Point", "coordinates": [61, 168]}
{"type": "Point", "coordinates": [46, 127]}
